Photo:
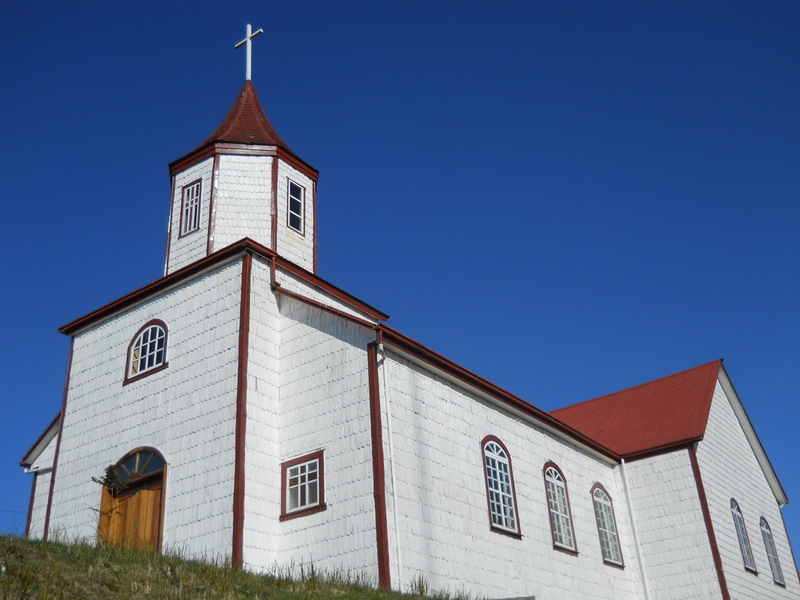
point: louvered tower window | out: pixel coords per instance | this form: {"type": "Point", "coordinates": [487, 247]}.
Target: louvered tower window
{"type": "Point", "coordinates": [296, 207]}
{"type": "Point", "coordinates": [190, 209]}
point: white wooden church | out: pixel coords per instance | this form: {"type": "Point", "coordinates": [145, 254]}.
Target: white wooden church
{"type": "Point", "coordinates": [255, 412]}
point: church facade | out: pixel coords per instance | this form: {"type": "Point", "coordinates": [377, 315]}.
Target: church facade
{"type": "Point", "coordinates": [243, 408]}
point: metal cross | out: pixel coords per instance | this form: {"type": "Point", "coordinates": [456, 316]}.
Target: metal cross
{"type": "Point", "coordinates": [248, 43]}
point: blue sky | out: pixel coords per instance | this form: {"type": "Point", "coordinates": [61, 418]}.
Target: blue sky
{"type": "Point", "coordinates": [568, 198]}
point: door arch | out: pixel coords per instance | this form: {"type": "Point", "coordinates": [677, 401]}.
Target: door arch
{"type": "Point", "coordinates": [131, 509]}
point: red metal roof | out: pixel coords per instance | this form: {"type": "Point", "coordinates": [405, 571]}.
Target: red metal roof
{"type": "Point", "coordinates": [650, 417]}
{"type": "Point", "coordinates": [246, 123]}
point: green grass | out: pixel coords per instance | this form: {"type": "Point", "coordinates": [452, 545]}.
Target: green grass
{"type": "Point", "coordinates": [35, 570]}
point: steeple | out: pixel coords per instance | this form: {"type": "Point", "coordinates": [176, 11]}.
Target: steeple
{"type": "Point", "coordinates": [242, 181]}
{"type": "Point", "coordinates": [246, 123]}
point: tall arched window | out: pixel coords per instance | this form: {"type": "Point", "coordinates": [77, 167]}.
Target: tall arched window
{"type": "Point", "coordinates": [772, 553]}
{"type": "Point", "coordinates": [741, 534]}
{"type": "Point", "coordinates": [558, 502]}
{"type": "Point", "coordinates": [500, 492]}
{"type": "Point", "coordinates": [147, 352]}
{"type": "Point", "coordinates": [606, 525]}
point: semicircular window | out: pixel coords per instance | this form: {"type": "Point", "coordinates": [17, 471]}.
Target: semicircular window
{"type": "Point", "coordinates": [138, 464]}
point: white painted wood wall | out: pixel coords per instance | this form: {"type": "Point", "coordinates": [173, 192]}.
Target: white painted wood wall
{"type": "Point", "coordinates": [308, 390]}
{"type": "Point", "coordinates": [242, 207]}
{"type": "Point", "coordinates": [730, 470]}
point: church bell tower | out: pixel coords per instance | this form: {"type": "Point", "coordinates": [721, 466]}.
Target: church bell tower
{"type": "Point", "coordinates": [243, 181]}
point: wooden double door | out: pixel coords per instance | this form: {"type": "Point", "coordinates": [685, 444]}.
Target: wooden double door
{"type": "Point", "coordinates": [130, 510]}
{"type": "Point", "coordinates": [132, 517]}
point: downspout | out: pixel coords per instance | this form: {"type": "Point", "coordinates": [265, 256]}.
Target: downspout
{"type": "Point", "coordinates": [382, 353]}
{"type": "Point", "coordinates": [378, 467]}
{"type": "Point", "coordinates": [240, 431]}
{"type": "Point", "coordinates": [632, 520]}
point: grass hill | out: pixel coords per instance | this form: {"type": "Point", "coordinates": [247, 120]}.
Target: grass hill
{"type": "Point", "coordinates": [35, 570]}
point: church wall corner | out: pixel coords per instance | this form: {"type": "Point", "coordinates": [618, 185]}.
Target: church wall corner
{"type": "Point", "coordinates": [324, 406]}
{"type": "Point", "coordinates": [186, 411]}
{"type": "Point", "coordinates": [671, 527]}
{"type": "Point", "coordinates": [730, 470]}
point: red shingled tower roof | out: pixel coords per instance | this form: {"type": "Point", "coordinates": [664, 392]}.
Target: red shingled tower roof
{"type": "Point", "coordinates": [246, 123]}
{"type": "Point", "coordinates": [654, 416]}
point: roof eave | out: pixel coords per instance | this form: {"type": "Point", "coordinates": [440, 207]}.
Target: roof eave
{"type": "Point", "coordinates": [440, 362]}
{"type": "Point", "coordinates": [662, 449]}
{"type": "Point", "coordinates": [41, 443]}
{"type": "Point", "coordinates": [202, 266]}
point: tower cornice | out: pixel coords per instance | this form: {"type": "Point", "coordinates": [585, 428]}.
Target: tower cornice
{"type": "Point", "coordinates": [212, 148]}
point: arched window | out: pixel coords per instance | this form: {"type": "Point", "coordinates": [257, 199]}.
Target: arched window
{"type": "Point", "coordinates": [741, 534]}
{"type": "Point", "coordinates": [500, 493]}
{"type": "Point", "coordinates": [772, 553]}
{"type": "Point", "coordinates": [148, 351]}
{"type": "Point", "coordinates": [558, 502]}
{"type": "Point", "coordinates": [606, 525]}
{"type": "Point", "coordinates": [140, 463]}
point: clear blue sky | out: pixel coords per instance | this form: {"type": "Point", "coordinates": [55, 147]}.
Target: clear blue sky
{"type": "Point", "coordinates": [569, 198]}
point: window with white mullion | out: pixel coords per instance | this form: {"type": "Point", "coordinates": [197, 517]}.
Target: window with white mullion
{"type": "Point", "coordinates": [772, 553]}
{"type": "Point", "coordinates": [741, 534]}
{"type": "Point", "coordinates": [606, 526]}
{"type": "Point", "coordinates": [302, 485]}
{"type": "Point", "coordinates": [560, 518]}
{"type": "Point", "coordinates": [190, 212]}
{"type": "Point", "coordinates": [500, 490]}
{"type": "Point", "coordinates": [296, 207]}
{"type": "Point", "coordinates": [147, 351]}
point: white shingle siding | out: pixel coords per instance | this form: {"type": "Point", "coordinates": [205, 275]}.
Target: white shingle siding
{"type": "Point", "coordinates": [186, 411]}
{"type": "Point", "coordinates": [669, 520]}
{"type": "Point", "coordinates": [193, 246]}
{"type": "Point", "coordinates": [262, 453]}
{"type": "Point", "coordinates": [324, 404]}
{"type": "Point", "coordinates": [307, 390]}
{"type": "Point", "coordinates": [298, 248]}
{"type": "Point", "coordinates": [243, 202]}
{"type": "Point", "coordinates": [41, 467]}
{"type": "Point", "coordinates": [39, 508]}
{"type": "Point", "coordinates": [730, 470]}
{"type": "Point", "coordinates": [242, 207]}
{"type": "Point", "coordinates": [296, 284]}
{"type": "Point", "coordinates": [441, 497]}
